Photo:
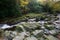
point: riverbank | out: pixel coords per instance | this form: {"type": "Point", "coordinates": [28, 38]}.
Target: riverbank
{"type": "Point", "coordinates": [38, 16]}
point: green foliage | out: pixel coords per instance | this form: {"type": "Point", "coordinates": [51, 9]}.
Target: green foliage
{"type": "Point", "coordinates": [52, 7]}
{"type": "Point", "coordinates": [35, 7]}
{"type": "Point", "coordinates": [56, 7]}
{"type": "Point", "coordinates": [13, 9]}
{"type": "Point", "coordinates": [8, 8]}
{"type": "Point", "coordinates": [47, 8]}
{"type": "Point", "coordinates": [18, 29]}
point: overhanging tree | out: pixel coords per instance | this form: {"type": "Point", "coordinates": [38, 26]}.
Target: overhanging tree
{"type": "Point", "coordinates": [8, 8]}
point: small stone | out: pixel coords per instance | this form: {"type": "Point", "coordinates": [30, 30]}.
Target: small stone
{"type": "Point", "coordinates": [46, 31]}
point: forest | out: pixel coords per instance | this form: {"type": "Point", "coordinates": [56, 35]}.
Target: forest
{"type": "Point", "coordinates": [29, 19]}
{"type": "Point", "coordinates": [15, 8]}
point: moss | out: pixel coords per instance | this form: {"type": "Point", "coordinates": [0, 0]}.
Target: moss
{"type": "Point", "coordinates": [18, 29]}
{"type": "Point", "coordinates": [49, 26]}
{"type": "Point", "coordinates": [1, 33]}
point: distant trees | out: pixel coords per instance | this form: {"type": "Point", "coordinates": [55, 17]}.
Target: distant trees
{"type": "Point", "coordinates": [56, 7]}
{"type": "Point", "coordinates": [52, 7]}
{"type": "Point", "coordinates": [47, 8]}
{"type": "Point", "coordinates": [35, 6]}
{"type": "Point", "coordinates": [23, 6]}
{"type": "Point", "coordinates": [15, 8]}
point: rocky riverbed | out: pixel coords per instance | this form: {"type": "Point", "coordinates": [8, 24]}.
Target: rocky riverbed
{"type": "Point", "coordinates": [31, 30]}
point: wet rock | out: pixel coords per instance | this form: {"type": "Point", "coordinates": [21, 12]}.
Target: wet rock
{"type": "Point", "coordinates": [31, 38]}
{"type": "Point", "coordinates": [41, 38]}
{"type": "Point", "coordinates": [31, 20]}
{"type": "Point", "coordinates": [50, 37]}
{"type": "Point", "coordinates": [18, 38]}
{"type": "Point", "coordinates": [10, 34]}
{"type": "Point", "coordinates": [21, 36]}
{"type": "Point", "coordinates": [53, 32]}
{"type": "Point", "coordinates": [46, 31]}
{"type": "Point", "coordinates": [58, 26]}
{"type": "Point", "coordinates": [38, 33]}
{"type": "Point", "coordinates": [43, 27]}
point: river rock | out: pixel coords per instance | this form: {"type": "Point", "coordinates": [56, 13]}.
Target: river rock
{"type": "Point", "coordinates": [20, 36]}
{"type": "Point", "coordinates": [53, 32]}
{"type": "Point", "coordinates": [31, 38]}
{"type": "Point", "coordinates": [46, 31]}
{"type": "Point", "coordinates": [37, 32]}
{"type": "Point", "coordinates": [50, 37]}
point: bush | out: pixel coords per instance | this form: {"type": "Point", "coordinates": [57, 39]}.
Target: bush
{"type": "Point", "coordinates": [56, 7]}
{"type": "Point", "coordinates": [35, 7]}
